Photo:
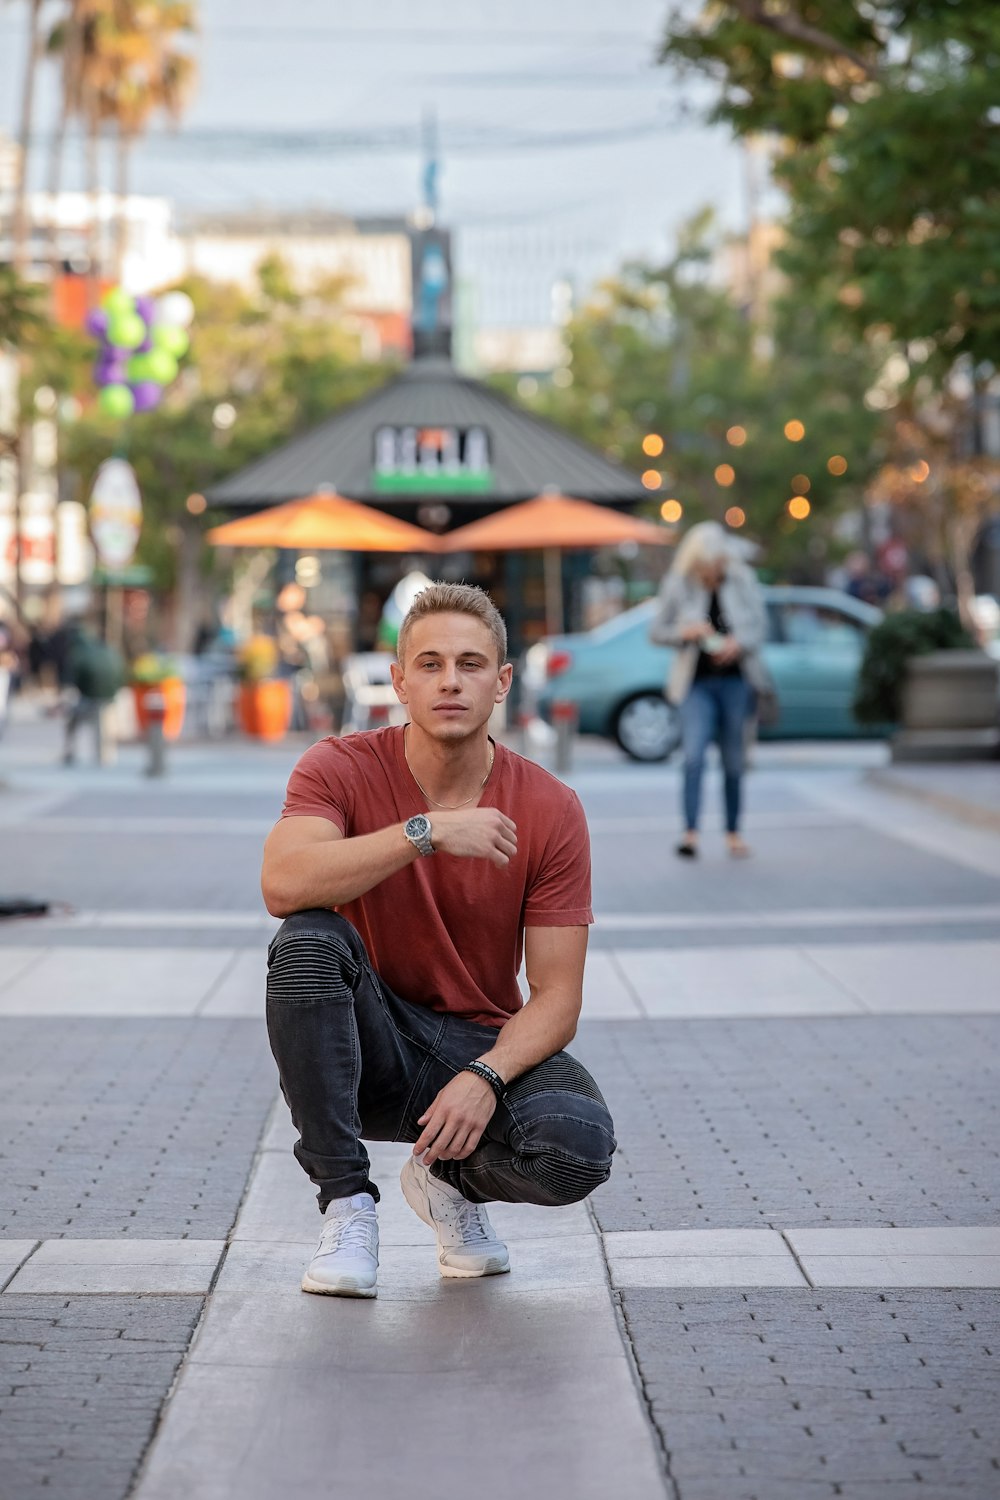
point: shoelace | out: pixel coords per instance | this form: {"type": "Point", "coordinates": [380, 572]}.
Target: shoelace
{"type": "Point", "coordinates": [469, 1219]}
{"type": "Point", "coordinates": [357, 1231]}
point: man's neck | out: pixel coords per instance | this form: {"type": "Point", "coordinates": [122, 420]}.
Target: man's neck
{"type": "Point", "coordinates": [447, 772]}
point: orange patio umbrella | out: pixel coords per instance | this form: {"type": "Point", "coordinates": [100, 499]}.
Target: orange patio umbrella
{"type": "Point", "coordinates": [324, 520]}
{"type": "Point", "coordinates": [553, 523]}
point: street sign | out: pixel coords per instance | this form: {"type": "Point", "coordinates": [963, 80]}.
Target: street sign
{"type": "Point", "coordinates": [115, 513]}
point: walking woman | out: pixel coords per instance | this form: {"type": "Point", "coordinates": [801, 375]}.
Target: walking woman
{"type": "Point", "coordinates": [712, 611]}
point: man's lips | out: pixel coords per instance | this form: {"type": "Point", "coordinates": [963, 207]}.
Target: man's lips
{"type": "Point", "coordinates": [450, 708]}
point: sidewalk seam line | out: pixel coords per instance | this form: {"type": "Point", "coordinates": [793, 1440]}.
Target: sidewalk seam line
{"type": "Point", "coordinates": [797, 1259]}
{"type": "Point", "coordinates": [20, 1267]}
{"type": "Point", "coordinates": [632, 1360]}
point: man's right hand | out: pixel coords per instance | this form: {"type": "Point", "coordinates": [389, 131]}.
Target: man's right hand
{"type": "Point", "coordinates": [475, 833]}
{"type": "Point", "coordinates": [696, 632]}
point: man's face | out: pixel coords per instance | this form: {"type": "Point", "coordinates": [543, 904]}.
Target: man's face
{"type": "Point", "coordinates": [450, 679]}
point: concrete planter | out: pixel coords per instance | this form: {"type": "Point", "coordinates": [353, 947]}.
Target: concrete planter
{"type": "Point", "coordinates": [951, 708]}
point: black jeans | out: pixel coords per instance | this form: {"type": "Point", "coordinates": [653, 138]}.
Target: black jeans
{"type": "Point", "coordinates": [355, 1060]}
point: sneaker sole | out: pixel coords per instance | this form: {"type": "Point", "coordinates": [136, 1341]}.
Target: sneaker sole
{"type": "Point", "coordinates": [346, 1289]}
{"type": "Point", "coordinates": [496, 1265]}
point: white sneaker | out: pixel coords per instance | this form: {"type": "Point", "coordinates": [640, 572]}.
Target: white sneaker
{"type": "Point", "coordinates": [346, 1259]}
{"type": "Point", "coordinates": [467, 1245]}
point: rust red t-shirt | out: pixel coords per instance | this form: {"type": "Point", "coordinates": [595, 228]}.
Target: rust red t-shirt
{"type": "Point", "coordinates": [448, 932]}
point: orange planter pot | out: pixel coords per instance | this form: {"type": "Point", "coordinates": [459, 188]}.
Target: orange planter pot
{"type": "Point", "coordinates": [174, 698]}
{"type": "Point", "coordinates": [265, 709]}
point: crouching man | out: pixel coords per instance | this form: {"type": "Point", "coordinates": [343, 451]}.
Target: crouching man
{"type": "Point", "coordinates": [410, 865]}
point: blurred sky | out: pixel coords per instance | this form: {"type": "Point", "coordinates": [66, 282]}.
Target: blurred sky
{"type": "Point", "coordinates": [564, 149]}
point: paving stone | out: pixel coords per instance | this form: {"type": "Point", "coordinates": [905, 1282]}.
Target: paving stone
{"type": "Point", "coordinates": [707, 1270]}
{"type": "Point", "coordinates": [116, 982]}
{"type": "Point", "coordinates": [903, 1270]}
{"type": "Point", "coordinates": [138, 1128]}
{"type": "Point", "coordinates": [119, 1266]}
{"type": "Point", "coordinates": [855, 1121]}
{"type": "Point", "coordinates": [739, 1368]}
{"type": "Point", "coordinates": [77, 1411]}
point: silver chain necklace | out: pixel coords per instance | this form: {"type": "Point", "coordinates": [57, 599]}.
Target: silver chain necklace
{"type": "Point", "coordinates": [453, 806]}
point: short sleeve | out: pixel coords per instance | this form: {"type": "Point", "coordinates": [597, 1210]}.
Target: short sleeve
{"type": "Point", "coordinates": [318, 786]}
{"type": "Point", "coordinates": [559, 895]}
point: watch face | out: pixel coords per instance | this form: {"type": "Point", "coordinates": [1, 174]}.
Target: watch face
{"type": "Point", "coordinates": [418, 827]}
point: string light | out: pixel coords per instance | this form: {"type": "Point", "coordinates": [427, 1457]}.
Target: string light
{"type": "Point", "coordinates": [196, 504]}
{"type": "Point", "coordinates": [652, 479]}
{"type": "Point", "coordinates": [920, 471]}
{"type": "Point", "coordinates": [801, 484]}
{"type": "Point", "coordinates": [735, 516]}
{"type": "Point", "coordinates": [725, 474]}
{"type": "Point", "coordinates": [736, 436]}
{"type": "Point", "coordinates": [799, 507]}
{"type": "Point", "coordinates": [837, 464]}
{"type": "Point", "coordinates": [652, 445]}
{"type": "Point", "coordinates": [794, 431]}
{"type": "Point", "coordinates": [671, 511]}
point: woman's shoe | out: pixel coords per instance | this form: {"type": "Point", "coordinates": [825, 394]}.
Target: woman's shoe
{"type": "Point", "coordinates": [688, 847]}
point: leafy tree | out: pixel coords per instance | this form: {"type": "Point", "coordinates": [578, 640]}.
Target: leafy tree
{"type": "Point", "coordinates": [885, 113]}
{"type": "Point", "coordinates": [664, 351]}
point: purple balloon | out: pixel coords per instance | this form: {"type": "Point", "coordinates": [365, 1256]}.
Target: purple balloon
{"type": "Point", "coordinates": [109, 372]}
{"type": "Point", "coordinates": [146, 308]}
{"type": "Point", "coordinates": [145, 346]}
{"type": "Point", "coordinates": [96, 323]}
{"type": "Point", "coordinates": [147, 394]}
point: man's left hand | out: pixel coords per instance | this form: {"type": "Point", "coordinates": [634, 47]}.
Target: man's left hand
{"type": "Point", "coordinates": [730, 651]}
{"type": "Point", "coordinates": [454, 1124]}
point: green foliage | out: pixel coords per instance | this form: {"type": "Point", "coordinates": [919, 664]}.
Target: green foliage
{"type": "Point", "coordinates": [662, 350]}
{"type": "Point", "coordinates": [890, 646]}
{"type": "Point", "coordinates": [891, 156]}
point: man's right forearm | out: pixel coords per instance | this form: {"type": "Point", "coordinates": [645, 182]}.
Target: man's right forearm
{"type": "Point", "coordinates": [333, 872]}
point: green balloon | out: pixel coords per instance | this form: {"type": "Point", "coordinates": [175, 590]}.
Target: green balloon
{"type": "Point", "coordinates": [160, 366]}
{"type": "Point", "coordinates": [116, 401]}
{"type": "Point", "coordinates": [126, 330]}
{"type": "Point", "coordinates": [138, 369]}
{"type": "Point", "coordinates": [174, 341]}
{"type": "Point", "coordinates": [118, 301]}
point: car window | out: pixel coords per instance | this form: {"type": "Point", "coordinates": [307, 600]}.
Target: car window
{"type": "Point", "coordinates": [818, 625]}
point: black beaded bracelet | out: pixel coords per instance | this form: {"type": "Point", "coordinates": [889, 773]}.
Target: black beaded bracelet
{"type": "Point", "coordinates": [484, 1071]}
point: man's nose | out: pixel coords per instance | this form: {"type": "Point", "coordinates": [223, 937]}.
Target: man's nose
{"type": "Point", "coordinates": [449, 678]}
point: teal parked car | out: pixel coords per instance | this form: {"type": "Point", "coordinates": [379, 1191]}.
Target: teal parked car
{"type": "Point", "coordinates": [615, 677]}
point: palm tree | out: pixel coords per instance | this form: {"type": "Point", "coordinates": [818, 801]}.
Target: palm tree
{"type": "Point", "coordinates": [19, 233]}
{"type": "Point", "coordinates": [122, 61]}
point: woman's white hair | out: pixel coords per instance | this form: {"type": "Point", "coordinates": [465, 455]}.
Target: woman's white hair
{"type": "Point", "coordinates": [705, 546]}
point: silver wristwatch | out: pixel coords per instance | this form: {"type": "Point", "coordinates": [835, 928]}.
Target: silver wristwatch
{"type": "Point", "coordinates": [418, 830]}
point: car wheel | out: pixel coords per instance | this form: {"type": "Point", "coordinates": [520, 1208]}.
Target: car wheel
{"type": "Point", "coordinates": [647, 727]}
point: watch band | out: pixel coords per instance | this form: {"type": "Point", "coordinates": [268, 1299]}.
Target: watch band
{"type": "Point", "coordinates": [488, 1075]}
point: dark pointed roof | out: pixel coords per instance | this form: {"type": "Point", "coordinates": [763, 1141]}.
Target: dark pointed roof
{"type": "Point", "coordinates": [527, 454]}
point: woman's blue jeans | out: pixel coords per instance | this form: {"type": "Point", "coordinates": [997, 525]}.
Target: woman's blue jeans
{"type": "Point", "coordinates": [716, 708]}
{"type": "Point", "coordinates": [357, 1061]}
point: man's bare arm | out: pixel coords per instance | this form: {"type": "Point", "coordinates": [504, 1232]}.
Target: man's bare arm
{"type": "Point", "coordinates": [308, 862]}
{"type": "Point", "coordinates": [554, 959]}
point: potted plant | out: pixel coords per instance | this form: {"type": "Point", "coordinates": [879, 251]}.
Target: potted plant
{"type": "Point", "coordinates": [265, 700]}
{"type": "Point", "coordinates": [152, 672]}
{"type": "Point", "coordinates": [923, 672]}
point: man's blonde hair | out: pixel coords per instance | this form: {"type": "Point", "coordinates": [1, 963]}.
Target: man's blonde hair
{"type": "Point", "coordinates": [455, 599]}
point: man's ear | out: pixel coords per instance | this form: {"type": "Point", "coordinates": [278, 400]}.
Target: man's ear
{"type": "Point", "coordinates": [503, 686]}
{"type": "Point", "coordinates": [398, 681]}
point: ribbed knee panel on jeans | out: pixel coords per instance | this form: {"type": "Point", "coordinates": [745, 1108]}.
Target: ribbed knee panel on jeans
{"type": "Point", "coordinates": [310, 968]}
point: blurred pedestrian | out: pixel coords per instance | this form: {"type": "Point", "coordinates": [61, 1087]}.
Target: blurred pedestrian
{"type": "Point", "coordinates": [712, 611]}
{"type": "Point", "coordinates": [96, 671]}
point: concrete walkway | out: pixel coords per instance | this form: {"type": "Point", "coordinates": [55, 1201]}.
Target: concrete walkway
{"type": "Point", "coordinates": [787, 1289]}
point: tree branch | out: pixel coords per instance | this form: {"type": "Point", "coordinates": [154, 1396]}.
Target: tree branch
{"type": "Point", "coordinates": [792, 26]}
